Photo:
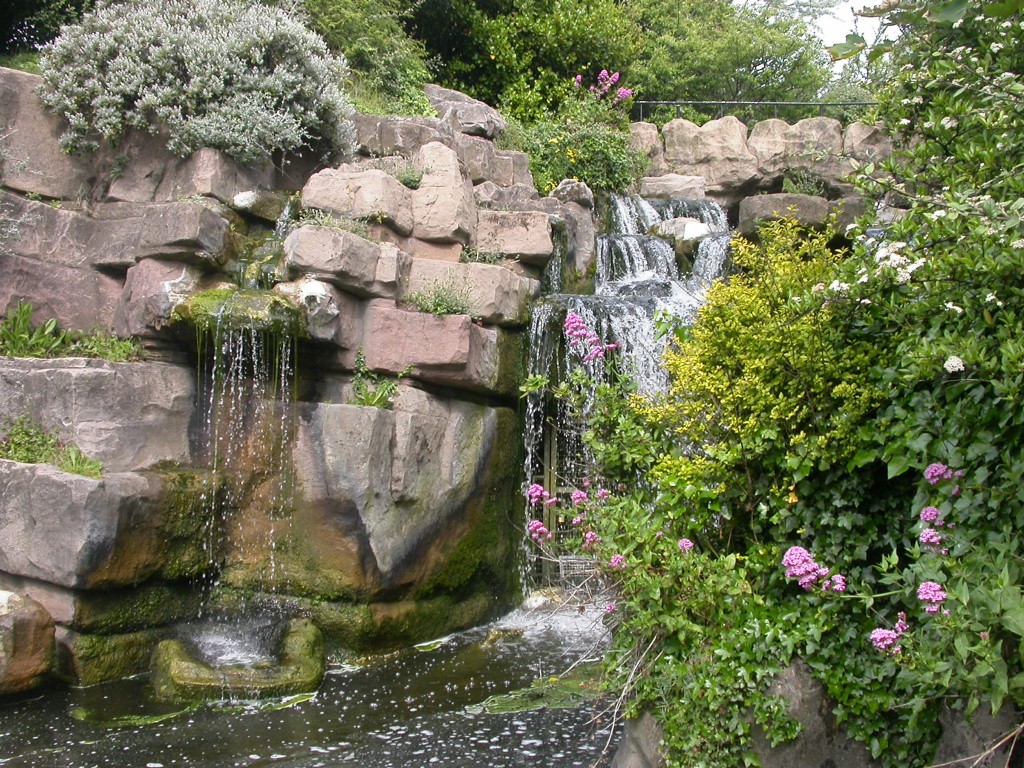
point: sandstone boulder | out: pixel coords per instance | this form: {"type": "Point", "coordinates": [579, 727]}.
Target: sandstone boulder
{"type": "Point", "coordinates": [808, 210]}
{"type": "Point", "coordinates": [152, 290]}
{"type": "Point", "coordinates": [264, 204]}
{"type": "Point", "coordinates": [471, 116]}
{"type": "Point", "coordinates": [382, 136]}
{"type": "Point", "coordinates": [148, 171]}
{"type": "Point", "coordinates": [79, 299]}
{"type": "Point", "coordinates": [496, 296]}
{"type": "Point", "coordinates": [76, 531]}
{"type": "Point", "coordinates": [814, 145]}
{"type": "Point", "coordinates": [511, 168]}
{"type": "Point", "coordinates": [572, 191]}
{"type": "Point", "coordinates": [523, 235]}
{"type": "Point", "coordinates": [127, 415]}
{"type": "Point", "coordinates": [32, 159]}
{"type": "Point", "coordinates": [350, 262]}
{"type": "Point", "coordinates": [26, 643]}
{"type": "Point", "coordinates": [682, 230]}
{"type": "Point", "coordinates": [866, 143]}
{"type": "Point", "coordinates": [443, 206]}
{"type": "Point", "coordinates": [673, 185]}
{"type": "Point", "coordinates": [477, 158]}
{"type": "Point", "coordinates": [646, 138]}
{"type": "Point", "coordinates": [331, 315]}
{"type": "Point", "coordinates": [518, 196]}
{"type": "Point", "coordinates": [371, 195]}
{"type": "Point", "coordinates": [718, 151]}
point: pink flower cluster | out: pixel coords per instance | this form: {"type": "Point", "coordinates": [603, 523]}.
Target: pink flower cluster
{"type": "Point", "coordinates": [887, 640]}
{"type": "Point", "coordinates": [579, 497]}
{"type": "Point", "coordinates": [936, 473]}
{"type": "Point", "coordinates": [617, 561]}
{"type": "Point", "coordinates": [685, 545]}
{"type": "Point", "coordinates": [537, 494]}
{"type": "Point", "coordinates": [933, 595]}
{"type": "Point", "coordinates": [538, 531]}
{"type": "Point", "coordinates": [580, 335]}
{"type": "Point", "coordinates": [590, 540]}
{"type": "Point", "coordinates": [801, 566]}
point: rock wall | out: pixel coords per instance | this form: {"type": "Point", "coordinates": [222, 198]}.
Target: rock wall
{"type": "Point", "coordinates": [398, 524]}
{"type": "Point", "coordinates": [744, 169]}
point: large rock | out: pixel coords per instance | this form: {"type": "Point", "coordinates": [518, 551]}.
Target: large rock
{"type": "Point", "coordinates": [32, 158]}
{"type": "Point", "coordinates": [147, 171]}
{"type": "Point", "coordinates": [443, 207]}
{"type": "Point", "coordinates": [78, 532]}
{"type": "Point", "coordinates": [814, 145]}
{"type": "Point", "coordinates": [387, 495]}
{"type": "Point", "coordinates": [332, 255]}
{"type": "Point", "coordinates": [383, 136]}
{"type": "Point", "coordinates": [127, 415]}
{"type": "Point", "coordinates": [79, 299]}
{"type": "Point", "coordinates": [449, 350]}
{"type": "Point", "coordinates": [331, 315]}
{"type": "Point", "coordinates": [646, 138]}
{"type": "Point", "coordinates": [113, 237]}
{"type": "Point", "coordinates": [152, 290]}
{"type": "Point", "coordinates": [808, 210]}
{"type": "Point", "coordinates": [866, 143]}
{"type": "Point", "coordinates": [673, 185]}
{"type": "Point", "coordinates": [718, 151]}
{"type": "Point", "coordinates": [371, 194]}
{"type": "Point", "coordinates": [471, 116]}
{"type": "Point", "coordinates": [26, 643]}
{"type": "Point", "coordinates": [496, 296]}
{"type": "Point", "coordinates": [523, 235]}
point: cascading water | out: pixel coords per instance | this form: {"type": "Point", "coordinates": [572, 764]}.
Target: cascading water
{"type": "Point", "coordinates": [638, 281]}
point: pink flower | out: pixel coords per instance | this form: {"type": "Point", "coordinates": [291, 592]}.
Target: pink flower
{"type": "Point", "coordinates": [931, 538]}
{"type": "Point", "coordinates": [577, 81]}
{"type": "Point", "coordinates": [836, 584]}
{"type": "Point", "coordinates": [801, 566]}
{"type": "Point", "coordinates": [885, 640]}
{"type": "Point", "coordinates": [590, 540]}
{"type": "Point", "coordinates": [901, 624]}
{"type": "Point", "coordinates": [536, 493]}
{"type": "Point", "coordinates": [936, 473]}
{"type": "Point", "coordinates": [685, 545]}
{"type": "Point", "coordinates": [617, 561]}
{"type": "Point", "coordinates": [930, 514]}
{"type": "Point", "coordinates": [602, 494]}
{"type": "Point", "coordinates": [579, 497]}
{"type": "Point", "coordinates": [933, 594]}
{"type": "Point", "coordinates": [610, 608]}
{"type": "Point", "coordinates": [538, 531]}
{"type": "Point", "coordinates": [578, 519]}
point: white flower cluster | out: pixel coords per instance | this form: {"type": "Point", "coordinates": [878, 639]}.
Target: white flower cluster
{"type": "Point", "coordinates": [888, 256]}
{"type": "Point", "coordinates": [953, 364]}
{"type": "Point", "coordinates": [235, 75]}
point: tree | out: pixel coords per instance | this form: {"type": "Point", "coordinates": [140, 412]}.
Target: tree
{"type": "Point", "coordinates": [27, 24]}
{"type": "Point", "coordinates": [711, 51]}
{"type": "Point", "coordinates": [522, 55]}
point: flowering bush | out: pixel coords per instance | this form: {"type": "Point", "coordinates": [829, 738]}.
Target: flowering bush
{"type": "Point", "coordinates": [235, 75]}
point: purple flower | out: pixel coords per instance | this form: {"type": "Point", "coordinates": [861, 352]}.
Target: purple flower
{"type": "Point", "coordinates": [578, 519]}
{"type": "Point", "coordinates": [610, 608]}
{"type": "Point", "coordinates": [930, 514]}
{"type": "Point", "coordinates": [901, 624]}
{"type": "Point", "coordinates": [936, 473]}
{"type": "Point", "coordinates": [617, 561]}
{"type": "Point", "coordinates": [538, 531]}
{"type": "Point", "coordinates": [885, 640]}
{"type": "Point", "coordinates": [836, 584]}
{"type": "Point", "coordinates": [685, 545]}
{"type": "Point", "coordinates": [930, 537]}
{"type": "Point", "coordinates": [536, 493]}
{"type": "Point", "coordinates": [580, 497]}
{"type": "Point", "coordinates": [590, 540]}
{"type": "Point", "coordinates": [577, 81]}
{"type": "Point", "coordinates": [933, 594]}
{"type": "Point", "coordinates": [602, 494]}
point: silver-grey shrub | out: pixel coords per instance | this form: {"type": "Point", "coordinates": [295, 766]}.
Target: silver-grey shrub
{"type": "Point", "coordinates": [235, 75]}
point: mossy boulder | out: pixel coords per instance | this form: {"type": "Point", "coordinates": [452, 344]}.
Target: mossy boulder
{"type": "Point", "coordinates": [233, 309]}
{"type": "Point", "coordinates": [178, 675]}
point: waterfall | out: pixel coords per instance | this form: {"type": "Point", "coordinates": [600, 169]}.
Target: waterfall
{"type": "Point", "coordinates": [638, 281]}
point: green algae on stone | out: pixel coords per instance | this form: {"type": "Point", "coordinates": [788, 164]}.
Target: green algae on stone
{"type": "Point", "coordinates": [87, 659]}
{"type": "Point", "coordinates": [150, 605]}
{"type": "Point", "coordinates": [234, 309]}
{"type": "Point", "coordinates": [565, 692]}
{"type": "Point", "coordinates": [177, 675]}
{"type": "Point", "coordinates": [193, 513]}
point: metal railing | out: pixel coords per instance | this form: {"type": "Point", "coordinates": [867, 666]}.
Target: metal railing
{"type": "Point", "coordinates": [723, 108]}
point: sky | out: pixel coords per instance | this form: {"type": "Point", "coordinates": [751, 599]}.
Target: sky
{"type": "Point", "coordinates": [835, 29]}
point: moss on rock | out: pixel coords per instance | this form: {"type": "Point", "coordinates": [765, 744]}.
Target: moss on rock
{"type": "Point", "coordinates": [229, 309]}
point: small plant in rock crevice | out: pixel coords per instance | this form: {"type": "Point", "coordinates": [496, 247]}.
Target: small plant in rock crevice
{"type": "Point", "coordinates": [20, 337]}
{"type": "Point", "coordinates": [444, 297]}
{"type": "Point", "coordinates": [23, 440]}
{"type": "Point", "coordinates": [371, 389]}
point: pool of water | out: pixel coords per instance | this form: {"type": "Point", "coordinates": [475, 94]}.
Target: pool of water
{"type": "Point", "coordinates": [412, 708]}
